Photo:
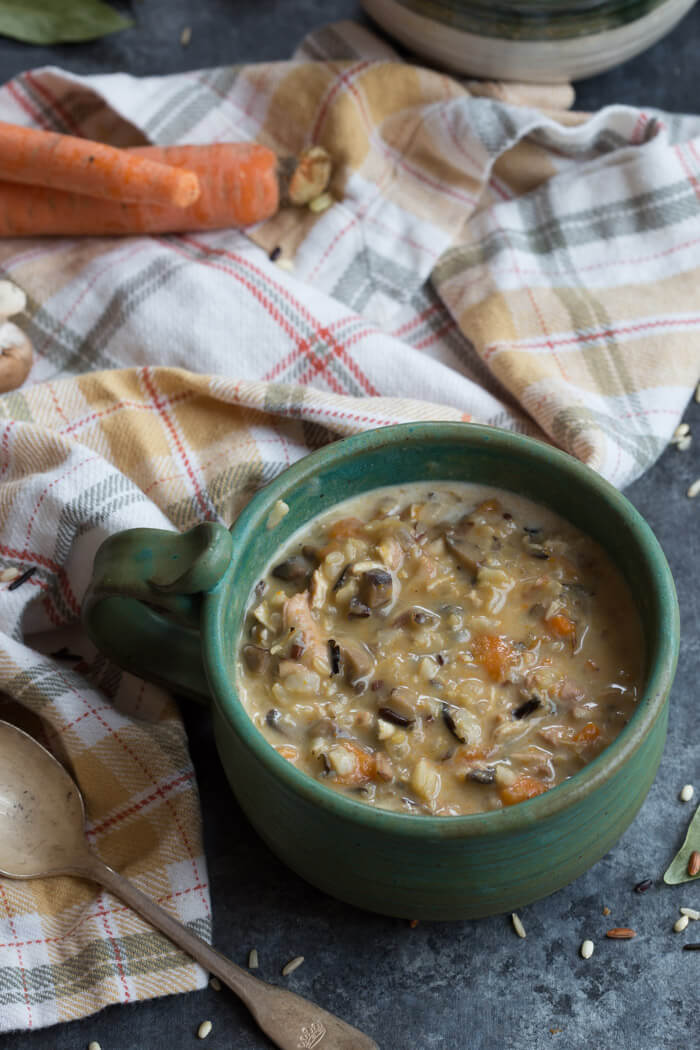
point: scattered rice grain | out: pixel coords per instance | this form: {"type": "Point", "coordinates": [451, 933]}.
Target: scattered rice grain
{"type": "Point", "coordinates": [621, 933]}
{"type": "Point", "coordinates": [517, 925]}
{"type": "Point", "coordinates": [680, 432]}
{"type": "Point", "coordinates": [279, 510]}
{"type": "Point", "coordinates": [320, 203]}
{"type": "Point", "coordinates": [285, 264]}
{"type": "Point", "coordinates": [644, 885]}
{"type": "Point", "coordinates": [606, 910]}
{"type": "Point", "coordinates": [26, 575]}
{"type": "Point", "coordinates": [7, 575]}
{"type": "Point", "coordinates": [694, 864]}
{"type": "Point", "coordinates": [686, 793]}
{"type": "Point", "coordinates": [94, 1046]}
{"type": "Point", "coordinates": [587, 949]}
{"type": "Point", "coordinates": [253, 961]}
{"type": "Point", "coordinates": [684, 444]}
{"type": "Point", "coordinates": [690, 912]}
{"type": "Point", "coordinates": [292, 965]}
{"type": "Point", "coordinates": [694, 489]}
{"type": "Point", "coordinates": [215, 984]}
{"type": "Point", "coordinates": [697, 393]}
{"type": "Point", "coordinates": [680, 924]}
{"type": "Point", "coordinates": [204, 1029]}
{"type": "Point", "coordinates": [186, 36]}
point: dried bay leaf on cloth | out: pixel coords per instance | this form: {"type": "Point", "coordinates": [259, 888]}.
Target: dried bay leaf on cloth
{"type": "Point", "coordinates": [677, 870]}
{"type": "Point", "coordinates": [59, 21]}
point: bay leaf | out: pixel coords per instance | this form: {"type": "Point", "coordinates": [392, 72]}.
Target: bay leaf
{"type": "Point", "coordinates": [58, 21]}
{"type": "Point", "coordinates": [677, 870]}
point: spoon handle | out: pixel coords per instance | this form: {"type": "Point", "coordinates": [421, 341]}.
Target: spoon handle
{"type": "Point", "coordinates": [291, 1022]}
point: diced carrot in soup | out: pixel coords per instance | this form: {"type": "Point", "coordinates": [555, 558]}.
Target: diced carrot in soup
{"type": "Point", "coordinates": [345, 527]}
{"type": "Point", "coordinates": [523, 789]}
{"type": "Point", "coordinates": [588, 734]}
{"type": "Point", "coordinates": [290, 753]}
{"type": "Point", "coordinates": [494, 653]}
{"type": "Point", "coordinates": [562, 625]}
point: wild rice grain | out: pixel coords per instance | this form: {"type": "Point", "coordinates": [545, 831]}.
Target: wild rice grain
{"type": "Point", "coordinates": [292, 965]}
{"type": "Point", "coordinates": [694, 489]}
{"type": "Point", "coordinates": [275, 253]}
{"type": "Point", "coordinates": [204, 1029]}
{"type": "Point", "coordinates": [517, 925]}
{"type": "Point", "coordinates": [680, 924]}
{"type": "Point", "coordinates": [621, 933]}
{"type": "Point", "coordinates": [694, 864]}
{"type": "Point", "coordinates": [215, 984]}
{"type": "Point", "coordinates": [690, 912]}
{"type": "Point", "coordinates": [26, 575]}
{"type": "Point", "coordinates": [644, 885]}
{"type": "Point", "coordinates": [253, 961]}
{"type": "Point", "coordinates": [587, 949]}
{"type": "Point", "coordinates": [687, 793]}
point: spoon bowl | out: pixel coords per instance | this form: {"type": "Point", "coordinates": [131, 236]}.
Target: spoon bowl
{"type": "Point", "coordinates": [42, 833]}
{"type": "Point", "coordinates": [42, 816]}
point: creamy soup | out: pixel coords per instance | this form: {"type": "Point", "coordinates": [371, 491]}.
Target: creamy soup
{"type": "Point", "coordinates": [440, 648]}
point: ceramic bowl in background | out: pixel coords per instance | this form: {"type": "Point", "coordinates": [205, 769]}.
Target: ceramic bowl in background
{"type": "Point", "coordinates": [541, 41]}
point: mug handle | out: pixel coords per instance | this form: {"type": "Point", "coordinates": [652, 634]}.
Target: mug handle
{"type": "Point", "coordinates": [142, 607]}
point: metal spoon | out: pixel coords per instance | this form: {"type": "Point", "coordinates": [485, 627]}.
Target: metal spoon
{"type": "Point", "coordinates": [42, 833]}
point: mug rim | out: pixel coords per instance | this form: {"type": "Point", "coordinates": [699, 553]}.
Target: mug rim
{"type": "Point", "coordinates": [659, 677]}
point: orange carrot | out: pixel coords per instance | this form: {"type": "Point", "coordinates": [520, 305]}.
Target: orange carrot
{"type": "Point", "coordinates": [562, 625]}
{"type": "Point", "coordinates": [344, 527]}
{"type": "Point", "coordinates": [64, 162]}
{"type": "Point", "coordinates": [523, 789]}
{"type": "Point", "coordinates": [241, 183]}
{"type": "Point", "coordinates": [290, 753]}
{"type": "Point", "coordinates": [588, 734]}
{"type": "Point", "coordinates": [494, 653]}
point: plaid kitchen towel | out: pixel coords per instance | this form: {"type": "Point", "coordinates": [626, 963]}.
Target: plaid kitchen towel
{"type": "Point", "coordinates": [525, 267]}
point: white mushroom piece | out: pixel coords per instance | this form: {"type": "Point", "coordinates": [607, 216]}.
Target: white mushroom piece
{"type": "Point", "coordinates": [15, 348]}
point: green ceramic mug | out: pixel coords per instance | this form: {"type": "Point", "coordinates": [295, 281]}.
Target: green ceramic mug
{"type": "Point", "coordinates": [171, 608]}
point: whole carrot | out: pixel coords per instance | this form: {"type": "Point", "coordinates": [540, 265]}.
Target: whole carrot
{"type": "Point", "coordinates": [64, 162]}
{"type": "Point", "coordinates": [241, 183]}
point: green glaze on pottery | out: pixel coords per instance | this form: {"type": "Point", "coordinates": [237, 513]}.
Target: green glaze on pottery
{"type": "Point", "coordinates": [534, 20]}
{"type": "Point", "coordinates": [396, 863]}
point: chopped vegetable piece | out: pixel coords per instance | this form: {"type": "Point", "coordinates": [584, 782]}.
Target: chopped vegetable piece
{"type": "Point", "coordinates": [521, 790]}
{"type": "Point", "coordinates": [494, 653]}
{"type": "Point", "coordinates": [562, 625]}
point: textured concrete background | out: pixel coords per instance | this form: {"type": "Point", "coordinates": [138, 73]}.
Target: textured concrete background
{"type": "Point", "coordinates": [460, 986]}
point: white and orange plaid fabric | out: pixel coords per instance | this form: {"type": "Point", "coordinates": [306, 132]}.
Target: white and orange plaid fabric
{"type": "Point", "coordinates": [524, 267]}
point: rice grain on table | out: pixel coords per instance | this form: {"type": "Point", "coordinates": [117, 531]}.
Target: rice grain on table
{"type": "Point", "coordinates": [680, 924]}
{"type": "Point", "coordinates": [690, 912]}
{"type": "Point", "coordinates": [680, 432]}
{"type": "Point", "coordinates": [686, 793]}
{"type": "Point", "coordinates": [292, 965]}
{"type": "Point", "coordinates": [517, 925]}
{"type": "Point", "coordinates": [204, 1029]}
{"type": "Point", "coordinates": [587, 949]}
{"type": "Point", "coordinates": [694, 489]}
{"type": "Point", "coordinates": [253, 961]}
{"type": "Point", "coordinates": [94, 1046]}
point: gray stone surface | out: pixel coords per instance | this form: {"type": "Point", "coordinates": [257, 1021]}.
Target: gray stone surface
{"type": "Point", "coordinates": [468, 985]}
